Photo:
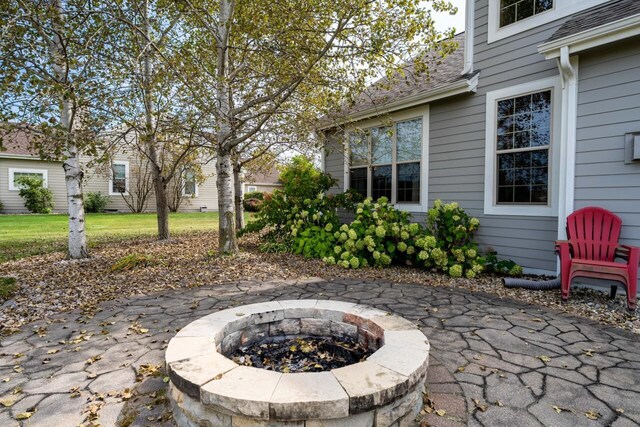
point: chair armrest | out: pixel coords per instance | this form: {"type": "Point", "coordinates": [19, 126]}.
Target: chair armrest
{"type": "Point", "coordinates": [563, 248]}
{"type": "Point", "coordinates": [629, 253]}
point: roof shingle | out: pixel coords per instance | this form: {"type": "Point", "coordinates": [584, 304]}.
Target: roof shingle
{"type": "Point", "coordinates": [439, 73]}
{"type": "Point", "coordinates": [596, 16]}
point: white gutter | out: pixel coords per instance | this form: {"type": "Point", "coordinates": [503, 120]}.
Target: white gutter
{"type": "Point", "coordinates": [456, 88]}
{"type": "Point", "coordinates": [593, 37]}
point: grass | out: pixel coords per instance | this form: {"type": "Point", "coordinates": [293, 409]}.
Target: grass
{"type": "Point", "coordinates": [26, 235]}
{"type": "Point", "coordinates": [7, 287]}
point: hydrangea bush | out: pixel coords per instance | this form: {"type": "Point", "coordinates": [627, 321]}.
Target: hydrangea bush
{"type": "Point", "coordinates": [303, 220]}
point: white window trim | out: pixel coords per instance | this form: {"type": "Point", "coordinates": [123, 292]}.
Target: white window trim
{"type": "Point", "coordinates": [251, 188]}
{"type": "Point", "coordinates": [490, 174]}
{"type": "Point", "coordinates": [12, 171]}
{"type": "Point", "coordinates": [422, 113]}
{"type": "Point", "coordinates": [561, 8]}
{"type": "Point", "coordinates": [126, 178]}
{"type": "Point", "coordinates": [184, 193]}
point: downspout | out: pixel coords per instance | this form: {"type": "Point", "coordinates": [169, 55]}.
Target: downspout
{"type": "Point", "coordinates": [468, 37]}
{"type": "Point", "coordinates": [568, 67]}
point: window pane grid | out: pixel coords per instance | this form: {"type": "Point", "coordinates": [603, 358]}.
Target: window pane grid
{"type": "Point", "coordinates": [381, 182]}
{"type": "Point", "coordinates": [358, 180]}
{"type": "Point", "coordinates": [408, 184]}
{"type": "Point", "coordinates": [522, 148]}
{"type": "Point", "coordinates": [512, 11]}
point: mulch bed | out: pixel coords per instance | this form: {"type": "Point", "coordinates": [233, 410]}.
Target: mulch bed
{"type": "Point", "coordinates": [48, 284]}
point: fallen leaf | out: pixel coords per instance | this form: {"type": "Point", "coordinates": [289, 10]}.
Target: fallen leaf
{"type": "Point", "coordinates": [8, 401]}
{"type": "Point", "coordinates": [461, 369]}
{"type": "Point", "coordinates": [592, 414]}
{"type": "Point", "coordinates": [588, 352]}
{"type": "Point", "coordinates": [545, 359]}
{"type": "Point", "coordinates": [480, 406]}
{"type": "Point", "coordinates": [620, 410]}
{"type": "Point", "coordinates": [441, 412]}
{"type": "Point", "coordinates": [24, 415]}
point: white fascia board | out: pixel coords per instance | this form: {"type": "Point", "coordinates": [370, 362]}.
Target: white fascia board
{"type": "Point", "coordinates": [456, 88]}
{"type": "Point", "coordinates": [25, 157]}
{"type": "Point", "coordinates": [594, 37]}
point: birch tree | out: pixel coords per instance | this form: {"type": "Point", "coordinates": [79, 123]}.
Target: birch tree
{"type": "Point", "coordinates": [52, 90]}
{"type": "Point", "coordinates": [153, 97]}
{"type": "Point", "coordinates": [252, 57]}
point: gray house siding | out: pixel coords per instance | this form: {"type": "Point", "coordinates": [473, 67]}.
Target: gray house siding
{"type": "Point", "coordinates": [457, 143]}
{"type": "Point", "coordinates": [609, 107]}
{"type": "Point", "coordinates": [334, 163]}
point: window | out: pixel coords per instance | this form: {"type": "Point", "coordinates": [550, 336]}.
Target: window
{"type": "Point", "coordinates": [522, 126]}
{"type": "Point", "coordinates": [119, 182]}
{"type": "Point", "coordinates": [189, 182]}
{"type": "Point", "coordinates": [14, 174]}
{"type": "Point", "coordinates": [510, 17]}
{"type": "Point", "coordinates": [522, 147]}
{"type": "Point", "coordinates": [251, 188]}
{"type": "Point", "coordinates": [512, 11]}
{"type": "Point", "coordinates": [385, 161]}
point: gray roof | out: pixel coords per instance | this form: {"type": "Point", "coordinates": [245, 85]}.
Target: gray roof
{"type": "Point", "coordinates": [440, 72]}
{"type": "Point", "coordinates": [596, 16]}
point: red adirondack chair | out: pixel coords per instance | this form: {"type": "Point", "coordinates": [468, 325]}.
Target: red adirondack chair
{"type": "Point", "coordinates": [591, 250]}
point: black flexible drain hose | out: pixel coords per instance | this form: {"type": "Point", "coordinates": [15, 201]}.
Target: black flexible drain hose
{"type": "Point", "coordinates": [536, 285]}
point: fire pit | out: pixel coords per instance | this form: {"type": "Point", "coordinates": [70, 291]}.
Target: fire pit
{"type": "Point", "coordinates": [293, 367]}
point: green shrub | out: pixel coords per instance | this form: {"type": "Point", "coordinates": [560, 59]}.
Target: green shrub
{"type": "Point", "coordinates": [304, 187]}
{"type": "Point", "coordinates": [129, 262]}
{"type": "Point", "coordinates": [1, 206]}
{"type": "Point", "coordinates": [451, 248]}
{"type": "Point", "coordinates": [37, 199]}
{"type": "Point", "coordinates": [254, 195]}
{"type": "Point", "coordinates": [95, 202]}
{"type": "Point", "coordinates": [252, 205]}
{"type": "Point", "coordinates": [379, 235]}
{"type": "Point", "coordinates": [503, 267]}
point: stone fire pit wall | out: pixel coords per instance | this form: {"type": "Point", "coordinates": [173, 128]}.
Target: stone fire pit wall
{"type": "Point", "coordinates": [208, 389]}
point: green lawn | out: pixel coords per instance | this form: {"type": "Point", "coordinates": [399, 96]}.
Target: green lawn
{"type": "Point", "coordinates": [25, 235]}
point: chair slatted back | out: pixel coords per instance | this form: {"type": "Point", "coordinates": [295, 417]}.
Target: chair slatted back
{"type": "Point", "coordinates": [594, 233]}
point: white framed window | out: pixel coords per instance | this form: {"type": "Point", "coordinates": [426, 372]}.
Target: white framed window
{"type": "Point", "coordinates": [390, 160]}
{"type": "Point", "coordinates": [15, 173]}
{"type": "Point", "coordinates": [119, 179]}
{"type": "Point", "coordinates": [251, 188]}
{"type": "Point", "coordinates": [189, 184]}
{"type": "Point", "coordinates": [522, 149]}
{"type": "Point", "coordinates": [510, 17]}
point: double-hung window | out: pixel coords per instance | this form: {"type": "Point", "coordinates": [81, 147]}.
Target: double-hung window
{"type": "Point", "coordinates": [386, 161]}
{"type": "Point", "coordinates": [16, 174]}
{"type": "Point", "coordinates": [521, 151]}
{"type": "Point", "coordinates": [119, 182]}
{"type": "Point", "coordinates": [190, 187]}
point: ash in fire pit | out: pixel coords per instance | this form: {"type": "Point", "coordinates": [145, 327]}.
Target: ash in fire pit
{"type": "Point", "coordinates": [302, 354]}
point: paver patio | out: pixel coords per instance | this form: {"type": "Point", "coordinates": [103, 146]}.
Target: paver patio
{"type": "Point", "coordinates": [493, 362]}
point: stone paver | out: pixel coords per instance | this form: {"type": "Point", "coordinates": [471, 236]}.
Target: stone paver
{"type": "Point", "coordinates": [494, 362]}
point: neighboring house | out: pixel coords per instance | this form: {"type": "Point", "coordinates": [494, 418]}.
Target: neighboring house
{"type": "Point", "coordinates": [535, 115]}
{"type": "Point", "coordinates": [262, 181]}
{"type": "Point", "coordinates": [122, 176]}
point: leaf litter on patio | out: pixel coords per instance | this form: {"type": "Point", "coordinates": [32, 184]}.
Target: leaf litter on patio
{"type": "Point", "coordinates": [49, 284]}
{"type": "Point", "coordinates": [313, 354]}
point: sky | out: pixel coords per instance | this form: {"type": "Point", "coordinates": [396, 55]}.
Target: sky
{"type": "Point", "coordinates": [445, 21]}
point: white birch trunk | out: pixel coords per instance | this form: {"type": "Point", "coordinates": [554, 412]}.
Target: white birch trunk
{"type": "Point", "coordinates": [73, 174]}
{"type": "Point", "coordinates": [237, 188]}
{"type": "Point", "coordinates": [159, 185]}
{"type": "Point", "coordinates": [227, 241]}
